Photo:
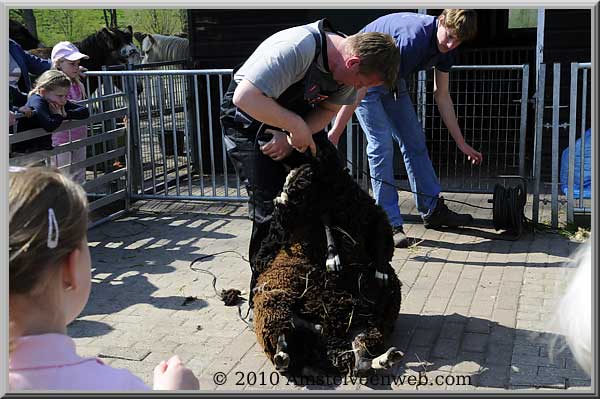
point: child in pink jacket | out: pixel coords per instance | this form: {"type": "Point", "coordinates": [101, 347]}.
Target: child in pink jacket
{"type": "Point", "coordinates": [66, 57]}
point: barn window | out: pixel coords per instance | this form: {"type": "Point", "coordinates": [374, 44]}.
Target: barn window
{"type": "Point", "coordinates": [522, 18]}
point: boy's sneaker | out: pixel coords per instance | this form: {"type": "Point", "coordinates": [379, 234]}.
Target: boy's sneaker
{"type": "Point", "coordinates": [442, 216]}
{"type": "Point", "coordinates": [400, 239]}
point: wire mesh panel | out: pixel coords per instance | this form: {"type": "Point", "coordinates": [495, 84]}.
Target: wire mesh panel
{"type": "Point", "coordinates": [490, 104]}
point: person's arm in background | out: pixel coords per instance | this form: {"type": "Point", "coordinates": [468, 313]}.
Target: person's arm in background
{"type": "Point", "coordinates": [343, 116]}
{"type": "Point", "coordinates": [446, 108]}
{"type": "Point", "coordinates": [251, 100]}
{"type": "Point", "coordinates": [36, 65]}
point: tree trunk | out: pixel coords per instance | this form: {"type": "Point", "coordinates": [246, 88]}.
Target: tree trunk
{"type": "Point", "coordinates": [30, 22]}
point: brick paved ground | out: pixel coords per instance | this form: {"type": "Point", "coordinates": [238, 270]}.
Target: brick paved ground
{"type": "Point", "coordinates": [473, 306]}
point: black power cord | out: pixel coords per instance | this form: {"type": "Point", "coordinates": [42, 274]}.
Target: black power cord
{"type": "Point", "coordinates": [508, 209]}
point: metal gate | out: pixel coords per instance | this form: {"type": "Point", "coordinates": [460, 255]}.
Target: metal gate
{"type": "Point", "coordinates": [177, 151]}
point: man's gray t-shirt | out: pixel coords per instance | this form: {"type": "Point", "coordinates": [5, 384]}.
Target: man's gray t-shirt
{"type": "Point", "coordinates": [283, 59]}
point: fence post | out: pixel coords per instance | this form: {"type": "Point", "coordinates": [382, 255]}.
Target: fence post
{"type": "Point", "coordinates": [537, 143]}
{"type": "Point", "coordinates": [555, 123]}
{"type": "Point", "coordinates": [523, 127]}
{"type": "Point", "coordinates": [572, 128]}
{"type": "Point", "coordinates": [134, 161]}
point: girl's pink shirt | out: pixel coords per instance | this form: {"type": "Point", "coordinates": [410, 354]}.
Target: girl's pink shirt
{"type": "Point", "coordinates": [50, 362]}
{"type": "Point", "coordinates": [62, 137]}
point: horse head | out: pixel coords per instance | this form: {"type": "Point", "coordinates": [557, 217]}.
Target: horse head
{"type": "Point", "coordinates": [148, 47]}
{"type": "Point", "coordinates": [120, 46]}
{"type": "Point", "coordinates": [20, 34]}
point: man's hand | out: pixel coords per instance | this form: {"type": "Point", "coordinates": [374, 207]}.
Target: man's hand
{"type": "Point", "coordinates": [278, 148]}
{"type": "Point", "coordinates": [334, 137]}
{"type": "Point", "coordinates": [301, 139]}
{"type": "Point", "coordinates": [474, 156]}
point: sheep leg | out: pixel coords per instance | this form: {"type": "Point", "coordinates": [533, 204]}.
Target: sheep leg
{"type": "Point", "coordinates": [301, 323]}
{"type": "Point", "coordinates": [281, 358]}
{"type": "Point", "coordinates": [362, 364]}
{"type": "Point", "coordinates": [333, 263]}
{"type": "Point", "coordinates": [387, 360]}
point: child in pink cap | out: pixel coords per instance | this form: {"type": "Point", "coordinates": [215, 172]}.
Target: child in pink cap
{"type": "Point", "coordinates": [66, 57]}
{"type": "Point", "coordinates": [49, 285]}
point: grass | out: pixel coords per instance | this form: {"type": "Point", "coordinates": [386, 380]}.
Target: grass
{"type": "Point", "coordinates": [55, 25]}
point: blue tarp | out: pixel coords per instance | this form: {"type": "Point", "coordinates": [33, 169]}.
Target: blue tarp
{"type": "Point", "coordinates": [587, 167]}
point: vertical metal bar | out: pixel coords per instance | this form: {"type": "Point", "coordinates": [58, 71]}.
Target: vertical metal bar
{"type": "Point", "coordinates": [210, 135]}
{"type": "Point", "coordinates": [539, 51]}
{"type": "Point", "coordinates": [174, 132]}
{"type": "Point", "coordinates": [199, 134]}
{"type": "Point", "coordinates": [539, 112]}
{"type": "Point", "coordinates": [523, 127]}
{"type": "Point", "coordinates": [150, 132]}
{"type": "Point", "coordinates": [572, 131]}
{"type": "Point", "coordinates": [349, 144]}
{"type": "Point", "coordinates": [128, 188]}
{"type": "Point", "coordinates": [162, 134]}
{"type": "Point", "coordinates": [582, 142]}
{"type": "Point", "coordinates": [422, 96]}
{"type": "Point", "coordinates": [555, 122]}
{"type": "Point", "coordinates": [186, 132]}
{"type": "Point", "coordinates": [223, 150]}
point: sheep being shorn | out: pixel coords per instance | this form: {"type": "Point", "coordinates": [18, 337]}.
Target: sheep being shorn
{"type": "Point", "coordinates": [318, 306]}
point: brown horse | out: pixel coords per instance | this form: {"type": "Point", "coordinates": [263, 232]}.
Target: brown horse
{"type": "Point", "coordinates": [108, 46]}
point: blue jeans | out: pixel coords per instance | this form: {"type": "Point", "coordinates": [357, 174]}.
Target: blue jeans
{"type": "Point", "coordinates": [383, 119]}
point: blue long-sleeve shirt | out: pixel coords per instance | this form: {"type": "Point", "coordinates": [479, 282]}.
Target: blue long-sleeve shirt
{"type": "Point", "coordinates": [28, 63]}
{"type": "Point", "coordinates": [47, 120]}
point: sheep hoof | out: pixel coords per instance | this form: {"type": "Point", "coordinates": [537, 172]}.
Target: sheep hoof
{"type": "Point", "coordinates": [282, 199]}
{"type": "Point", "coordinates": [333, 264]}
{"type": "Point", "coordinates": [281, 361]}
{"type": "Point", "coordinates": [388, 360]}
{"type": "Point", "coordinates": [381, 278]}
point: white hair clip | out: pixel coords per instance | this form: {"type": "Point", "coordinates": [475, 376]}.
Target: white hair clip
{"type": "Point", "coordinates": [15, 169]}
{"type": "Point", "coordinates": [52, 229]}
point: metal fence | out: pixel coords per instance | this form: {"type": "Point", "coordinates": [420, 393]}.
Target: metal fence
{"type": "Point", "coordinates": [175, 148]}
{"type": "Point", "coordinates": [104, 165]}
{"type": "Point", "coordinates": [579, 100]}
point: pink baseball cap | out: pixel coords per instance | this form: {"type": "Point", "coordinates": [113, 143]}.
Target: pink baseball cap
{"type": "Point", "coordinates": [66, 50]}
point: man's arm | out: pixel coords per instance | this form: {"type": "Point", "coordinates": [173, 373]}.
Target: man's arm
{"type": "Point", "coordinates": [343, 116]}
{"type": "Point", "coordinates": [446, 108]}
{"type": "Point", "coordinates": [251, 100]}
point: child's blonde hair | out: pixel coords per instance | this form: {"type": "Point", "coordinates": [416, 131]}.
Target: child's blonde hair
{"type": "Point", "coordinates": [48, 217]}
{"type": "Point", "coordinates": [51, 80]}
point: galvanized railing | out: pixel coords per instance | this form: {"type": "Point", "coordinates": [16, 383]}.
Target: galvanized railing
{"type": "Point", "coordinates": [175, 148]}
{"type": "Point", "coordinates": [560, 143]}
{"type": "Point", "coordinates": [105, 168]}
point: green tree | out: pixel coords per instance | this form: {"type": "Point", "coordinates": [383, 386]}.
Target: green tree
{"type": "Point", "coordinates": [164, 22]}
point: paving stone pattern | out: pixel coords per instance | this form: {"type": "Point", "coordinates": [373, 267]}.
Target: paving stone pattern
{"type": "Point", "coordinates": [474, 314]}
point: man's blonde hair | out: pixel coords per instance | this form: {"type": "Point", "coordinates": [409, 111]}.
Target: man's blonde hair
{"type": "Point", "coordinates": [462, 22]}
{"type": "Point", "coordinates": [378, 55]}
